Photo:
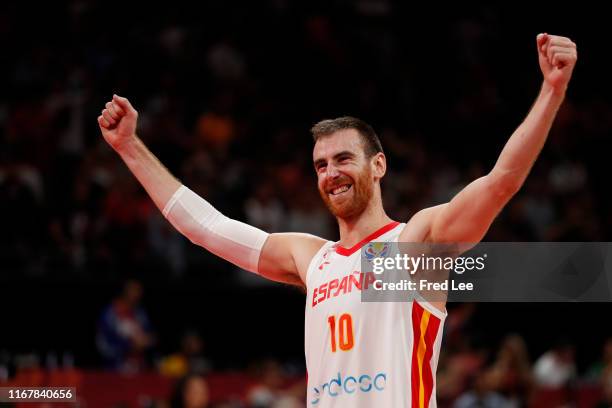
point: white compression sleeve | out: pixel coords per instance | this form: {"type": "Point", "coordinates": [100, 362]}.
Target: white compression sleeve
{"type": "Point", "coordinates": [199, 221]}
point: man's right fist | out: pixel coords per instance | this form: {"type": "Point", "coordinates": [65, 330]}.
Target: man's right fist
{"type": "Point", "coordinates": [118, 121]}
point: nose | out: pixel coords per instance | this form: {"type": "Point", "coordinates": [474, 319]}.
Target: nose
{"type": "Point", "coordinates": [332, 171]}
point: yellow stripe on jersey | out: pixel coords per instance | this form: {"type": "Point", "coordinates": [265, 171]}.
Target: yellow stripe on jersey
{"type": "Point", "coordinates": [421, 356]}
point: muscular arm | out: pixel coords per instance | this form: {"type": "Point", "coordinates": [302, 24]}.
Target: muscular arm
{"type": "Point", "coordinates": [285, 257]}
{"type": "Point", "coordinates": [467, 217]}
{"type": "Point", "coordinates": [280, 257]}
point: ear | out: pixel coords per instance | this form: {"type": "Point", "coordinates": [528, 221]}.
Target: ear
{"type": "Point", "coordinates": [379, 165]}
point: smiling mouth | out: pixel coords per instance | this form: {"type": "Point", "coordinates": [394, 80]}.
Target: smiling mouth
{"type": "Point", "coordinates": [340, 189]}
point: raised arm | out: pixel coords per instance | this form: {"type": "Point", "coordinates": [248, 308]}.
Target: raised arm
{"type": "Point", "coordinates": [280, 257]}
{"type": "Point", "coordinates": [118, 126]}
{"type": "Point", "coordinates": [467, 217]}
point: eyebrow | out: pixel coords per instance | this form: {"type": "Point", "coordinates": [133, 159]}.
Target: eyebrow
{"type": "Point", "coordinates": [336, 156]}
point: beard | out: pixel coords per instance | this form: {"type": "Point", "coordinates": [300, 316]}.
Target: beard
{"type": "Point", "coordinates": [355, 200]}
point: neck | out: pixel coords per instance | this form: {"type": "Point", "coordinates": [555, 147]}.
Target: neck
{"type": "Point", "coordinates": [353, 230]}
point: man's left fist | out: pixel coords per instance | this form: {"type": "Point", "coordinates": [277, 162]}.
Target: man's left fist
{"type": "Point", "coordinates": [557, 57]}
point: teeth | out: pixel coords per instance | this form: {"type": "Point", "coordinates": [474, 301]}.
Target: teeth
{"type": "Point", "coordinates": [340, 189]}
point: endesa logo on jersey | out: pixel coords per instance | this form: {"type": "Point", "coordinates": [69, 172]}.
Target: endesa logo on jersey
{"type": "Point", "coordinates": [348, 385]}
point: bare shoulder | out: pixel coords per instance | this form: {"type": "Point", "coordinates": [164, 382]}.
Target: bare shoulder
{"type": "Point", "coordinates": [418, 228]}
{"type": "Point", "coordinates": [285, 256]}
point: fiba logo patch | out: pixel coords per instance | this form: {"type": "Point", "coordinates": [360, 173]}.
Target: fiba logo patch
{"type": "Point", "coordinates": [376, 250]}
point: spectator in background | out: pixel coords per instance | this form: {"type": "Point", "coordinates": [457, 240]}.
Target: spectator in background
{"type": "Point", "coordinates": [556, 368]}
{"type": "Point", "coordinates": [510, 374]}
{"type": "Point", "coordinates": [482, 394]}
{"type": "Point", "coordinates": [606, 376]}
{"type": "Point", "coordinates": [191, 392]}
{"type": "Point", "coordinates": [271, 389]}
{"type": "Point", "coordinates": [189, 360]}
{"type": "Point", "coordinates": [124, 332]}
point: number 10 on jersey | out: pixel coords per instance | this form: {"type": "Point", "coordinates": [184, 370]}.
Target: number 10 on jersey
{"type": "Point", "coordinates": [344, 338]}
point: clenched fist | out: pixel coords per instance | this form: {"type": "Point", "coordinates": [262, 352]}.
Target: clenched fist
{"type": "Point", "coordinates": [118, 121]}
{"type": "Point", "coordinates": [557, 57]}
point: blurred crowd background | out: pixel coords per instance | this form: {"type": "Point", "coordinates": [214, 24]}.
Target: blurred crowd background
{"type": "Point", "coordinates": [226, 94]}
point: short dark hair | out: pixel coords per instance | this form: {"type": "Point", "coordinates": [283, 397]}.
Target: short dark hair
{"type": "Point", "coordinates": [326, 127]}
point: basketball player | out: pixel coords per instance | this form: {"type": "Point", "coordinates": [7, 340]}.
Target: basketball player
{"type": "Point", "coordinates": [357, 354]}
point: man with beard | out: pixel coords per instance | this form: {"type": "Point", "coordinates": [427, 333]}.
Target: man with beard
{"type": "Point", "coordinates": [358, 354]}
